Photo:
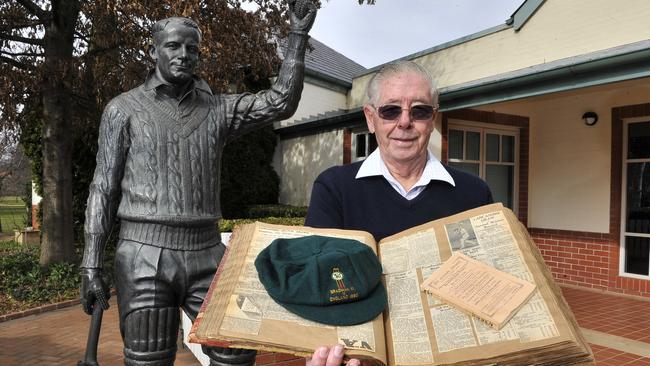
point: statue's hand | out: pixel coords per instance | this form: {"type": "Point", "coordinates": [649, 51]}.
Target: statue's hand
{"type": "Point", "coordinates": [93, 289]}
{"type": "Point", "coordinates": [302, 14]}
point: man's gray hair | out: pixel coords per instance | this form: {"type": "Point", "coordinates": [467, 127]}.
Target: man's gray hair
{"type": "Point", "coordinates": [396, 68]}
{"type": "Point", "coordinates": [160, 25]}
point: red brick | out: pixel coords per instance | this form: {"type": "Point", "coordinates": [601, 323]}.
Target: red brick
{"type": "Point", "coordinates": [296, 362]}
{"type": "Point", "coordinates": [280, 357]}
{"type": "Point", "coordinates": [265, 359]}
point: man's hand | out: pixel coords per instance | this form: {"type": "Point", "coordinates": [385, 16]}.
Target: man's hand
{"type": "Point", "coordinates": [302, 15]}
{"type": "Point", "coordinates": [324, 356]}
{"type": "Point", "coordinates": [93, 289]}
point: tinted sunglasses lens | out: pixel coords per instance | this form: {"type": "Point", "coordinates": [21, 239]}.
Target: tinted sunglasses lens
{"type": "Point", "coordinates": [389, 112]}
{"type": "Point", "coordinates": [421, 112]}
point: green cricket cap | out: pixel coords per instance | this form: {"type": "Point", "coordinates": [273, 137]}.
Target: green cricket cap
{"type": "Point", "coordinates": [328, 280]}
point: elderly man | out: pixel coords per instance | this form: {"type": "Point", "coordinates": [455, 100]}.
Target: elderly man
{"type": "Point", "coordinates": [158, 169]}
{"type": "Point", "coordinates": [401, 184]}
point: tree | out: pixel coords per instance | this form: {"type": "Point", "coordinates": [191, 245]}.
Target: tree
{"type": "Point", "coordinates": [61, 61]}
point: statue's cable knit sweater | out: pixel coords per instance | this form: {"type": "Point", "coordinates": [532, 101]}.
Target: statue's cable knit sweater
{"type": "Point", "coordinates": [158, 160]}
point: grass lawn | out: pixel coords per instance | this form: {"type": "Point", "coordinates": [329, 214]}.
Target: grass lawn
{"type": "Point", "coordinates": [12, 214]}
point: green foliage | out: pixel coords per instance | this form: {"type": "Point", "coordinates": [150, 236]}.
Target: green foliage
{"type": "Point", "coordinates": [12, 246]}
{"type": "Point", "coordinates": [257, 211]}
{"type": "Point", "coordinates": [23, 279]}
{"type": "Point", "coordinates": [229, 225]}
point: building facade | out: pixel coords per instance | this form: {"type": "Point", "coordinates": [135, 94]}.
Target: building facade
{"type": "Point", "coordinates": [552, 109]}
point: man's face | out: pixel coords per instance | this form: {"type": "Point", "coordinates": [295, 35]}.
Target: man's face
{"type": "Point", "coordinates": [404, 139]}
{"type": "Point", "coordinates": [176, 51]}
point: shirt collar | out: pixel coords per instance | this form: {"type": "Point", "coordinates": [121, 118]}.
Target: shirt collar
{"type": "Point", "coordinates": [433, 170]}
{"type": "Point", "coordinates": [153, 82]}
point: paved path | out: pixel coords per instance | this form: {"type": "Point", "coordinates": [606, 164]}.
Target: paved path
{"type": "Point", "coordinates": [59, 338]}
{"type": "Point", "coordinates": [617, 328]}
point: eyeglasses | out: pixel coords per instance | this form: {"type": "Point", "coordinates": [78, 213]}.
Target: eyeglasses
{"type": "Point", "coordinates": [392, 112]}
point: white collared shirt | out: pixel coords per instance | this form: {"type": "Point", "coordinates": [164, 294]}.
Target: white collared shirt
{"type": "Point", "coordinates": [433, 170]}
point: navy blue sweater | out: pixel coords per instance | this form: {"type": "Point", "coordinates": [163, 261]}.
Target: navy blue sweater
{"type": "Point", "coordinates": [338, 200]}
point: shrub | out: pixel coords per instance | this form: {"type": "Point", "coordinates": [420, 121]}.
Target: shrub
{"type": "Point", "coordinates": [229, 225]}
{"type": "Point", "coordinates": [260, 211]}
{"type": "Point", "coordinates": [22, 278]}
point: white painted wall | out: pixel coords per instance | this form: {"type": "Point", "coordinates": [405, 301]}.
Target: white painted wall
{"type": "Point", "coordinates": [314, 100]}
{"type": "Point", "coordinates": [298, 161]}
{"type": "Point", "coordinates": [570, 163]}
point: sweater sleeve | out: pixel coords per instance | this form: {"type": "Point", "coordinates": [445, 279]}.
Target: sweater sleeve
{"type": "Point", "coordinates": [105, 187]}
{"type": "Point", "coordinates": [325, 207]}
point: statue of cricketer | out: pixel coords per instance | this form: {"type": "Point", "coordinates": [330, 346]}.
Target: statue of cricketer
{"type": "Point", "coordinates": [158, 167]}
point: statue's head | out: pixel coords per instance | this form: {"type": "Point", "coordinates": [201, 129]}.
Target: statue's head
{"type": "Point", "coordinates": [175, 49]}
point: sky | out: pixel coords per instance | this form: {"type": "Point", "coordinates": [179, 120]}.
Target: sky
{"type": "Point", "coordinates": [375, 34]}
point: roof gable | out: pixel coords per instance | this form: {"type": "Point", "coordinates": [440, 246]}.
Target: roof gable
{"type": "Point", "coordinates": [325, 60]}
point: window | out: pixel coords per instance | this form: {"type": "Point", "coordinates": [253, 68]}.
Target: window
{"type": "Point", "coordinates": [490, 154]}
{"type": "Point", "coordinates": [635, 223]}
{"type": "Point", "coordinates": [363, 143]}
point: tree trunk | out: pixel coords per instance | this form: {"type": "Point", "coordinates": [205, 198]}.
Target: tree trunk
{"type": "Point", "coordinates": [58, 241]}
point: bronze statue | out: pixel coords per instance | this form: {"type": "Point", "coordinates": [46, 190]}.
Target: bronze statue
{"type": "Point", "coordinates": [158, 169]}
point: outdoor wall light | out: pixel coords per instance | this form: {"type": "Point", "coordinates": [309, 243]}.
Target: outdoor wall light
{"type": "Point", "coordinates": [590, 118]}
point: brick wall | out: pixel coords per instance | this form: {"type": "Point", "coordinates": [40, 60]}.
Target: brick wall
{"type": "Point", "coordinates": [589, 260]}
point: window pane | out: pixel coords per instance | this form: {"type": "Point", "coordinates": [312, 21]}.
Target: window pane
{"type": "Point", "coordinates": [636, 255]}
{"type": "Point", "coordinates": [372, 143]}
{"type": "Point", "coordinates": [492, 147]}
{"type": "Point", "coordinates": [508, 148]}
{"type": "Point", "coordinates": [361, 145]}
{"type": "Point", "coordinates": [466, 167]}
{"type": "Point", "coordinates": [638, 140]}
{"type": "Point", "coordinates": [455, 144]}
{"type": "Point", "coordinates": [638, 198]}
{"type": "Point", "coordinates": [501, 180]}
{"type": "Point", "coordinates": [473, 146]}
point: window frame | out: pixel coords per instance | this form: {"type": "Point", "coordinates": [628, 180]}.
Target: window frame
{"type": "Point", "coordinates": [623, 222]}
{"type": "Point", "coordinates": [353, 143]}
{"type": "Point", "coordinates": [484, 129]}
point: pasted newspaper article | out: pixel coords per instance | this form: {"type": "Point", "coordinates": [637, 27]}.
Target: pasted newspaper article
{"type": "Point", "coordinates": [416, 328]}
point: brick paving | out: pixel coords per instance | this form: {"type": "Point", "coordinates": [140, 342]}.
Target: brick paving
{"type": "Point", "coordinates": [617, 316]}
{"type": "Point", "coordinates": [58, 337]}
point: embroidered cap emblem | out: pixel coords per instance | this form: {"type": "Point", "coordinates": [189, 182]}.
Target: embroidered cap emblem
{"type": "Point", "coordinates": [338, 277]}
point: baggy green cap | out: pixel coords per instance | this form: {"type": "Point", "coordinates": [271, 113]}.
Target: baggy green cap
{"type": "Point", "coordinates": [328, 280]}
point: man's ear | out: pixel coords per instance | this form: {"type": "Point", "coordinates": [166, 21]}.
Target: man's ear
{"type": "Point", "coordinates": [370, 117]}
